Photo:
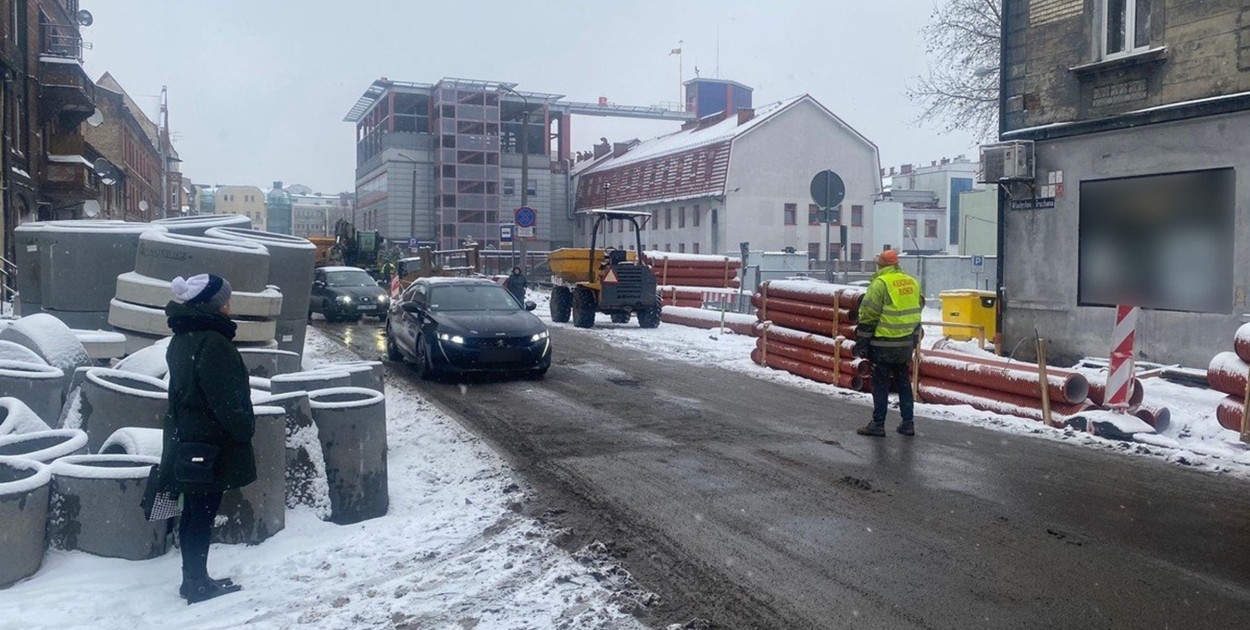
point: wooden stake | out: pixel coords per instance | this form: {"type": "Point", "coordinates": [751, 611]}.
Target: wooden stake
{"type": "Point", "coordinates": [915, 366]}
{"type": "Point", "coordinates": [764, 350]}
{"type": "Point", "coordinates": [837, 315]}
{"type": "Point", "coordinates": [1245, 415]}
{"type": "Point", "coordinates": [1044, 383]}
{"type": "Point", "coordinates": [764, 302]}
{"type": "Point", "coordinates": [837, 357]}
{"type": "Point", "coordinates": [665, 281]}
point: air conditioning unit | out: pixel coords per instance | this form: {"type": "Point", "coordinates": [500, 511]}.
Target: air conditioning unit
{"type": "Point", "coordinates": [1009, 161]}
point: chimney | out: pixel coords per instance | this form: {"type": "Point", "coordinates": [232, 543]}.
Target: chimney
{"type": "Point", "coordinates": [745, 114]}
{"type": "Point", "coordinates": [619, 149]}
{"type": "Point", "coordinates": [891, 171]}
{"type": "Point", "coordinates": [933, 163]}
{"type": "Point", "coordinates": [945, 161]}
{"type": "Point", "coordinates": [904, 169]}
{"type": "Point", "coordinates": [603, 148]}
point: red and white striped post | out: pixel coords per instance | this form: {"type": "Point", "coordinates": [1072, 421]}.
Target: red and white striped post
{"type": "Point", "coordinates": [1120, 380]}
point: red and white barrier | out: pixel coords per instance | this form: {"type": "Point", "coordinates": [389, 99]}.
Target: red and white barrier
{"type": "Point", "coordinates": [1120, 381]}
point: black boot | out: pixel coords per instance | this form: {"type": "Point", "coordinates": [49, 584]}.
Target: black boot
{"type": "Point", "coordinates": [907, 428]}
{"type": "Point", "coordinates": [195, 591]}
{"type": "Point", "coordinates": [871, 429]}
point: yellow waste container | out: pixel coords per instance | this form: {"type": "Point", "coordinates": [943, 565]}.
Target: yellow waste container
{"type": "Point", "coordinates": [979, 308]}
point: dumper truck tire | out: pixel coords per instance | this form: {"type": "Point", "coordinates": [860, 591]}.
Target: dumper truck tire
{"type": "Point", "coordinates": [561, 304]}
{"type": "Point", "coordinates": [583, 308]}
{"type": "Point", "coordinates": [649, 318]}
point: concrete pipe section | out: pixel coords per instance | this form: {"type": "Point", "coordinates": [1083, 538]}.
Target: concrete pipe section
{"type": "Point", "coordinates": [351, 424]}
{"type": "Point", "coordinates": [82, 320]}
{"type": "Point", "coordinates": [111, 399]}
{"type": "Point", "coordinates": [80, 261]}
{"type": "Point", "coordinates": [199, 224]}
{"type": "Point", "coordinates": [311, 380]}
{"type": "Point", "coordinates": [17, 417]}
{"type": "Point", "coordinates": [366, 374]}
{"type": "Point", "coordinates": [268, 363]}
{"type": "Point", "coordinates": [44, 446]}
{"type": "Point", "coordinates": [305, 471]}
{"type": "Point", "coordinates": [291, 262]}
{"type": "Point", "coordinates": [40, 387]}
{"type": "Point", "coordinates": [26, 255]}
{"type": "Point", "coordinates": [291, 334]}
{"type": "Point", "coordinates": [24, 489]}
{"type": "Point", "coordinates": [10, 351]}
{"type": "Point", "coordinates": [148, 361]}
{"type": "Point", "coordinates": [152, 322]}
{"type": "Point", "coordinates": [102, 345]}
{"type": "Point", "coordinates": [252, 514]}
{"type": "Point", "coordinates": [165, 256]}
{"type": "Point", "coordinates": [135, 288]}
{"type": "Point", "coordinates": [135, 441]}
{"type": "Point", "coordinates": [51, 339]}
{"type": "Point", "coordinates": [95, 507]}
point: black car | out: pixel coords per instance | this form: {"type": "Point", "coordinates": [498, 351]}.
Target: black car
{"type": "Point", "coordinates": [347, 293]}
{"type": "Point", "coordinates": [466, 325]}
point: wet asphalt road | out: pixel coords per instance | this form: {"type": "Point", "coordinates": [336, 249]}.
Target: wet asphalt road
{"type": "Point", "coordinates": [754, 505]}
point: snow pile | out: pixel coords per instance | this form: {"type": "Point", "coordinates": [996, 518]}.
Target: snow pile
{"type": "Point", "coordinates": [16, 417]}
{"type": "Point", "coordinates": [455, 551]}
{"type": "Point", "coordinates": [50, 338]}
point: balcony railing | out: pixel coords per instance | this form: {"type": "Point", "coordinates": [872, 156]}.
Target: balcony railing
{"type": "Point", "coordinates": [60, 41]}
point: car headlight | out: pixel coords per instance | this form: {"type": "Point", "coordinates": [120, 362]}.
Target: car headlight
{"type": "Point", "coordinates": [540, 336]}
{"type": "Point", "coordinates": [383, 298]}
{"type": "Point", "coordinates": [456, 339]}
{"type": "Point", "coordinates": [345, 299]}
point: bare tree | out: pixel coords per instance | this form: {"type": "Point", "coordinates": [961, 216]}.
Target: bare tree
{"type": "Point", "coordinates": [960, 91]}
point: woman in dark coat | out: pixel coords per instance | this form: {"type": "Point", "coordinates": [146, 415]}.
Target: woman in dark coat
{"type": "Point", "coordinates": [515, 284]}
{"type": "Point", "coordinates": [209, 408]}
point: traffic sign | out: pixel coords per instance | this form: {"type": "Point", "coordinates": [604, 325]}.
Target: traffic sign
{"type": "Point", "coordinates": [610, 278]}
{"type": "Point", "coordinates": [525, 233]}
{"type": "Point", "coordinates": [827, 189]}
{"type": "Point", "coordinates": [413, 243]}
{"type": "Point", "coordinates": [525, 217]}
{"type": "Point", "coordinates": [978, 263]}
{"type": "Point", "coordinates": [505, 233]}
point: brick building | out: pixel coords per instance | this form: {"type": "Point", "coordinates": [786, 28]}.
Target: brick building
{"type": "Point", "coordinates": [124, 136]}
{"type": "Point", "coordinates": [1138, 115]}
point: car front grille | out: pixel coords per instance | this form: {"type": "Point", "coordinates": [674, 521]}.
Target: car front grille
{"type": "Point", "coordinates": [496, 342]}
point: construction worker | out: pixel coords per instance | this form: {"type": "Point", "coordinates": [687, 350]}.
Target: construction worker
{"type": "Point", "coordinates": [887, 333]}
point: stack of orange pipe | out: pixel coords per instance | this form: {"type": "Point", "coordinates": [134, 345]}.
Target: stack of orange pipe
{"type": "Point", "coordinates": [804, 322]}
{"type": "Point", "coordinates": [694, 270]}
{"type": "Point", "coordinates": [1227, 373]}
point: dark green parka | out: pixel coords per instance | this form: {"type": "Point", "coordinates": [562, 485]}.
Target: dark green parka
{"type": "Point", "coordinates": [209, 398]}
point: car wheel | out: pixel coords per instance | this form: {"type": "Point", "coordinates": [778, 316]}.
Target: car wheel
{"type": "Point", "coordinates": [561, 304]}
{"type": "Point", "coordinates": [649, 318]}
{"type": "Point", "coordinates": [392, 349]}
{"type": "Point", "coordinates": [583, 308]}
{"type": "Point", "coordinates": [620, 318]}
{"type": "Point", "coordinates": [425, 361]}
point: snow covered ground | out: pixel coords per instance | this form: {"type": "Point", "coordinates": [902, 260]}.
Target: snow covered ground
{"type": "Point", "coordinates": [1194, 437]}
{"type": "Point", "coordinates": [455, 551]}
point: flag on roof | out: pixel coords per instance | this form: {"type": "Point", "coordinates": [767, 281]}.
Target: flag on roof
{"type": "Point", "coordinates": [675, 51]}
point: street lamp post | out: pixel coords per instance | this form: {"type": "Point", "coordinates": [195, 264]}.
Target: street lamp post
{"type": "Point", "coordinates": [412, 209]}
{"type": "Point", "coordinates": [525, 170]}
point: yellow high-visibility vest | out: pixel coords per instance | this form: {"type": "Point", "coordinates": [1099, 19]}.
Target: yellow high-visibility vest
{"type": "Point", "coordinates": [901, 316]}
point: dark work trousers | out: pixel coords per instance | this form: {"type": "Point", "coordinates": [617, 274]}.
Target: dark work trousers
{"type": "Point", "coordinates": [195, 531]}
{"type": "Point", "coordinates": [882, 375]}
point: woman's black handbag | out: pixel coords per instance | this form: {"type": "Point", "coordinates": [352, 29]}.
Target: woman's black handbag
{"type": "Point", "coordinates": [195, 462]}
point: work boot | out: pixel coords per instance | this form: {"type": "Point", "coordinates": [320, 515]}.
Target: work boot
{"type": "Point", "coordinates": [871, 429]}
{"type": "Point", "coordinates": [907, 428]}
{"type": "Point", "coordinates": [195, 591]}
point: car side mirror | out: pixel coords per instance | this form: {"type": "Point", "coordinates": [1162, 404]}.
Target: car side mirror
{"type": "Point", "coordinates": [410, 307]}
{"type": "Point", "coordinates": [318, 284]}
{"type": "Point", "coordinates": [529, 306]}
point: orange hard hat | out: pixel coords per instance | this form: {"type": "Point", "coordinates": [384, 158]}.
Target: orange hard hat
{"type": "Point", "coordinates": [888, 257]}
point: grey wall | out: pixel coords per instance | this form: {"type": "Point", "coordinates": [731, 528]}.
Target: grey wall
{"type": "Point", "coordinates": [946, 273]}
{"type": "Point", "coordinates": [1041, 255]}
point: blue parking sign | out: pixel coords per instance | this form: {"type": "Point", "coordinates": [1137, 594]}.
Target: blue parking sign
{"type": "Point", "coordinates": [978, 262]}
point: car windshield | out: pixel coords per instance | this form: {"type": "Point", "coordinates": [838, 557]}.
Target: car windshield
{"type": "Point", "coordinates": [472, 297]}
{"type": "Point", "coordinates": [354, 278]}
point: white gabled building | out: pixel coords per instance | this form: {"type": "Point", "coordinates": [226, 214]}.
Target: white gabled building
{"type": "Point", "coordinates": [740, 175]}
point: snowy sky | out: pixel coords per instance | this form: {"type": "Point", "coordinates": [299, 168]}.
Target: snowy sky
{"type": "Point", "coordinates": [258, 89]}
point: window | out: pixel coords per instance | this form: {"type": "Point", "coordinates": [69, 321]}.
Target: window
{"type": "Point", "coordinates": [813, 217]}
{"type": "Point", "coordinates": [681, 248]}
{"type": "Point", "coordinates": [509, 186]}
{"type": "Point", "coordinates": [681, 216]}
{"type": "Point", "coordinates": [857, 251]}
{"type": "Point", "coordinates": [791, 212]}
{"type": "Point", "coordinates": [668, 219]}
{"type": "Point", "coordinates": [835, 251]}
{"type": "Point", "coordinates": [531, 187]}
{"type": "Point", "coordinates": [1126, 26]}
{"type": "Point", "coordinates": [930, 228]}
{"type": "Point", "coordinates": [813, 251]}
{"type": "Point", "coordinates": [909, 228]}
{"type": "Point", "coordinates": [696, 223]}
{"type": "Point", "coordinates": [668, 248]}
{"type": "Point", "coordinates": [857, 216]}
{"type": "Point", "coordinates": [694, 248]}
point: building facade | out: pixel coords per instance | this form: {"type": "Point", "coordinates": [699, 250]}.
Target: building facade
{"type": "Point", "coordinates": [1138, 112]}
{"type": "Point", "coordinates": [739, 176]}
{"type": "Point", "coordinates": [248, 201]}
{"type": "Point", "coordinates": [122, 136]}
{"type": "Point", "coordinates": [938, 219]}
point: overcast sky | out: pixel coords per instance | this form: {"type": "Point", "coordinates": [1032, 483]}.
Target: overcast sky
{"type": "Point", "coordinates": [258, 88]}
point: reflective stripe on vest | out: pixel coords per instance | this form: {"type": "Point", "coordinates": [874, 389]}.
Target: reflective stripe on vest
{"type": "Point", "coordinates": [901, 316]}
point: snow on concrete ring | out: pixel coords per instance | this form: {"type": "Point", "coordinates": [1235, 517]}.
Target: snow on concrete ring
{"type": "Point", "coordinates": [251, 514]}
{"type": "Point", "coordinates": [198, 225]}
{"type": "Point", "coordinates": [166, 255]}
{"type": "Point", "coordinates": [305, 465]}
{"type": "Point", "coordinates": [365, 374]}
{"type": "Point", "coordinates": [112, 399]}
{"type": "Point", "coordinates": [50, 338]}
{"type": "Point", "coordinates": [152, 321]}
{"type": "Point", "coordinates": [41, 387]}
{"type": "Point", "coordinates": [102, 344]}
{"type": "Point", "coordinates": [95, 507]}
{"type": "Point", "coordinates": [309, 381]}
{"type": "Point", "coordinates": [137, 288]}
{"type": "Point", "coordinates": [24, 489]}
{"type": "Point", "coordinates": [351, 425]}
{"type": "Point", "coordinates": [267, 363]}
{"type": "Point", "coordinates": [17, 417]}
{"type": "Point", "coordinates": [135, 441]}
{"type": "Point", "coordinates": [149, 361]}
{"type": "Point", "coordinates": [79, 262]}
{"type": "Point", "coordinates": [44, 446]}
{"type": "Point", "coordinates": [12, 351]}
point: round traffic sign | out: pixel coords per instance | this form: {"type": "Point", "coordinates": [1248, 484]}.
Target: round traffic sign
{"type": "Point", "coordinates": [827, 189]}
{"type": "Point", "coordinates": [525, 216]}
